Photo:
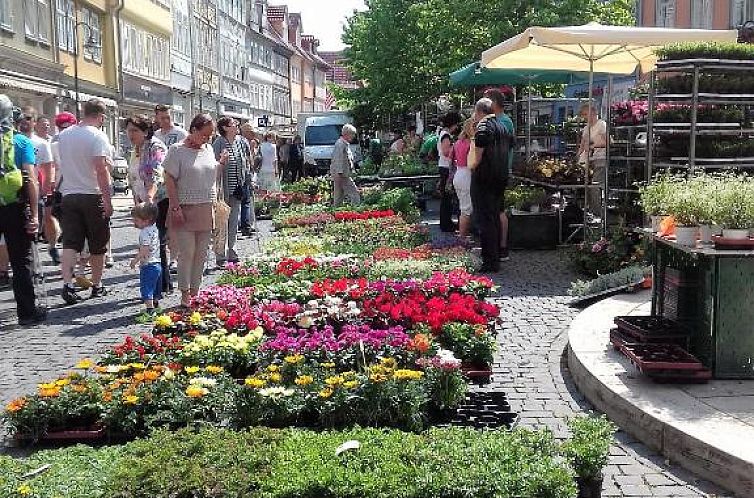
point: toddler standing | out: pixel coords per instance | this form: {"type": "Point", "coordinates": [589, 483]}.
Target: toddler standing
{"type": "Point", "coordinates": [148, 258]}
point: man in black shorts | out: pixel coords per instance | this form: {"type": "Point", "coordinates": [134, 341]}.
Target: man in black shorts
{"type": "Point", "coordinates": [84, 152]}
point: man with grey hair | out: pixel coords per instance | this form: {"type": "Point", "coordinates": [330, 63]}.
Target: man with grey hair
{"type": "Point", "coordinates": [489, 174]}
{"type": "Point", "coordinates": [341, 169]}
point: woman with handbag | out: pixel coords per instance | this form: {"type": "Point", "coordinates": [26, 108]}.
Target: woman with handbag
{"type": "Point", "coordinates": [191, 173]}
{"type": "Point", "coordinates": [146, 159]}
{"type": "Point", "coordinates": [233, 182]}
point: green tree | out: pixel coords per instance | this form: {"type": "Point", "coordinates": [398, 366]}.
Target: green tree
{"type": "Point", "coordinates": [405, 49]}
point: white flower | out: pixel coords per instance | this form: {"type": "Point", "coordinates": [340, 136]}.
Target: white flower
{"type": "Point", "coordinates": [305, 322]}
{"type": "Point", "coordinates": [276, 392]}
{"type": "Point", "coordinates": [203, 381]}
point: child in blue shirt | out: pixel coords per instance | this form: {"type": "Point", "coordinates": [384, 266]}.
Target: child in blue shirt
{"type": "Point", "coordinates": [148, 258]}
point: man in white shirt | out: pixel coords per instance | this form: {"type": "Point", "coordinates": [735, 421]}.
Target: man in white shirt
{"type": "Point", "coordinates": [593, 144]}
{"type": "Point", "coordinates": [85, 158]}
{"type": "Point", "coordinates": [168, 133]}
{"type": "Point", "coordinates": [341, 169]}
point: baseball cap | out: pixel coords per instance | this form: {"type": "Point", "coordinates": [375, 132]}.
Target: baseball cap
{"type": "Point", "coordinates": [65, 118]}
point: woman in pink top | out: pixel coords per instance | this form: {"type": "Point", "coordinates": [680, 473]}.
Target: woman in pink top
{"type": "Point", "coordinates": [462, 176]}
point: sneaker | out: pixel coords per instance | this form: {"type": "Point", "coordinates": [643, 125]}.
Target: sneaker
{"type": "Point", "coordinates": [98, 291]}
{"type": "Point", "coordinates": [54, 255]}
{"type": "Point", "coordinates": [83, 283]}
{"type": "Point", "coordinates": [40, 315]}
{"type": "Point", "coordinates": [504, 254]}
{"type": "Point", "coordinates": [69, 294]}
{"type": "Point", "coordinates": [109, 261]}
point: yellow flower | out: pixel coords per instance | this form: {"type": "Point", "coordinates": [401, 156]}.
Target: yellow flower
{"type": "Point", "coordinates": [151, 375]}
{"type": "Point", "coordinates": [137, 366]}
{"type": "Point", "coordinates": [294, 359]}
{"type": "Point", "coordinates": [214, 369]}
{"type": "Point", "coordinates": [388, 363]}
{"type": "Point", "coordinates": [139, 377]}
{"type": "Point", "coordinates": [255, 382]}
{"type": "Point", "coordinates": [84, 364]}
{"type": "Point", "coordinates": [275, 377]}
{"type": "Point", "coordinates": [191, 370]}
{"type": "Point", "coordinates": [163, 321]}
{"type": "Point", "coordinates": [195, 318]}
{"type": "Point", "coordinates": [378, 378]}
{"type": "Point", "coordinates": [273, 368]}
{"type": "Point", "coordinates": [130, 399]}
{"type": "Point", "coordinates": [79, 388]}
{"type": "Point", "coordinates": [408, 375]}
{"type": "Point", "coordinates": [328, 364]}
{"type": "Point", "coordinates": [351, 384]}
{"type": "Point", "coordinates": [304, 380]}
{"type": "Point", "coordinates": [196, 391]}
{"type": "Point", "coordinates": [334, 381]}
{"type": "Point", "coordinates": [62, 382]}
{"type": "Point", "coordinates": [49, 392]}
{"type": "Point", "coordinates": [349, 375]}
{"type": "Point", "coordinates": [325, 393]}
{"type": "Point", "coordinates": [24, 490]}
{"type": "Point", "coordinates": [48, 385]}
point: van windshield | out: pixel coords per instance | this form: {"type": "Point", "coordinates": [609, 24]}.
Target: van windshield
{"type": "Point", "coordinates": [325, 135]}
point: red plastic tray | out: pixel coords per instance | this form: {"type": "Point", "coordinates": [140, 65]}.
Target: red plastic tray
{"type": "Point", "coordinates": [653, 357]}
{"type": "Point", "coordinates": [732, 244]}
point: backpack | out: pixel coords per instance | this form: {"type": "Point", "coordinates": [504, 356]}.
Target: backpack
{"type": "Point", "coordinates": [11, 178]}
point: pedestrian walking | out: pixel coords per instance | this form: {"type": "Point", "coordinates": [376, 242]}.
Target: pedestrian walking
{"type": "Point", "coordinates": [18, 210]}
{"type": "Point", "coordinates": [342, 167]}
{"type": "Point", "coordinates": [167, 132]}
{"type": "Point", "coordinates": [42, 154]}
{"type": "Point", "coordinates": [85, 159]}
{"type": "Point", "coordinates": [232, 180]}
{"type": "Point", "coordinates": [146, 158]}
{"type": "Point", "coordinates": [296, 159]}
{"type": "Point", "coordinates": [191, 172]}
{"type": "Point", "coordinates": [269, 171]}
{"type": "Point", "coordinates": [147, 258]}
{"type": "Point", "coordinates": [54, 198]}
{"type": "Point", "coordinates": [450, 124]}
{"type": "Point", "coordinates": [489, 175]}
{"type": "Point", "coordinates": [285, 157]}
{"type": "Point", "coordinates": [248, 216]}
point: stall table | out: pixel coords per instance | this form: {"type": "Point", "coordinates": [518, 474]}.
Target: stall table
{"type": "Point", "coordinates": [711, 292]}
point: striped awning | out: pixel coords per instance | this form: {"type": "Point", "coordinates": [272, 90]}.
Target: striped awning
{"type": "Point", "coordinates": [31, 86]}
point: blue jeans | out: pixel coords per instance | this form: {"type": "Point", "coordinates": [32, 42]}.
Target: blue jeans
{"type": "Point", "coordinates": [150, 281]}
{"type": "Point", "coordinates": [248, 216]}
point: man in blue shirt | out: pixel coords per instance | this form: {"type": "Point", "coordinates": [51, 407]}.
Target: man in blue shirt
{"type": "Point", "coordinates": [19, 212]}
{"type": "Point", "coordinates": [498, 102]}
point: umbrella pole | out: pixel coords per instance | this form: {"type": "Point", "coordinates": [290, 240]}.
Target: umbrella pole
{"type": "Point", "coordinates": [608, 121]}
{"type": "Point", "coordinates": [588, 150]}
{"type": "Point", "coordinates": [528, 121]}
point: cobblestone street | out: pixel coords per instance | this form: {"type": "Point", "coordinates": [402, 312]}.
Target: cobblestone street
{"type": "Point", "coordinates": [530, 367]}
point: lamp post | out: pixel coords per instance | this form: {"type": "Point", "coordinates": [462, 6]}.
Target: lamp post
{"type": "Point", "coordinates": [90, 43]}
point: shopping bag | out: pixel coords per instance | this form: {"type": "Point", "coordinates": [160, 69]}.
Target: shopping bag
{"type": "Point", "coordinates": [220, 232]}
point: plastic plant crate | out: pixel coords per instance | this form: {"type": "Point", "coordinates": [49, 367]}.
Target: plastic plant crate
{"type": "Point", "coordinates": [654, 357]}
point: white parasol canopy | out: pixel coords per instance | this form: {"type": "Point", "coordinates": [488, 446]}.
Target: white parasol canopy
{"type": "Point", "coordinates": [592, 47]}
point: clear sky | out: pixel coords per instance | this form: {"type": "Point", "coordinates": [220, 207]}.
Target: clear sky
{"type": "Point", "coordinates": [324, 18]}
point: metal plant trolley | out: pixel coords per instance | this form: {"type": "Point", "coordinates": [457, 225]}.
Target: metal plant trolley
{"type": "Point", "coordinates": [693, 69]}
{"type": "Point", "coordinates": [711, 292]}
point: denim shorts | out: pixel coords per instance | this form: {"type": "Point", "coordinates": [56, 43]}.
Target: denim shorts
{"type": "Point", "coordinates": [150, 281]}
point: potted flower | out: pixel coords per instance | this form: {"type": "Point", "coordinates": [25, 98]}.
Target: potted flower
{"type": "Point", "coordinates": [735, 207]}
{"type": "Point", "coordinates": [705, 188]}
{"type": "Point", "coordinates": [587, 452]}
{"type": "Point", "coordinates": [683, 205]}
{"type": "Point", "coordinates": [654, 201]}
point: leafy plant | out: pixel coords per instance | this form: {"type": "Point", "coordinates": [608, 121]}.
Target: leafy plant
{"type": "Point", "coordinates": [588, 448]}
{"type": "Point", "coordinates": [706, 50]}
{"type": "Point", "coordinates": [621, 278]}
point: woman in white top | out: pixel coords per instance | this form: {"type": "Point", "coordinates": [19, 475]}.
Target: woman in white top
{"type": "Point", "coordinates": [593, 144]}
{"type": "Point", "coordinates": [268, 172]}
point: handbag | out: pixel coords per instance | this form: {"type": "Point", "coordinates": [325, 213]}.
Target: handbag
{"type": "Point", "coordinates": [220, 232]}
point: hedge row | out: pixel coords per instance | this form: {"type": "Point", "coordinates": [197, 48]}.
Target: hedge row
{"type": "Point", "coordinates": [290, 463]}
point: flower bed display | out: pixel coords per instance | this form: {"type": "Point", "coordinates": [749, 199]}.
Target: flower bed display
{"type": "Point", "coordinates": [348, 317]}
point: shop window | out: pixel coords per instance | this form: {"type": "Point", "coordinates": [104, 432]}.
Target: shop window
{"type": "Point", "coordinates": [701, 14]}
{"type": "Point", "coordinates": [740, 12]}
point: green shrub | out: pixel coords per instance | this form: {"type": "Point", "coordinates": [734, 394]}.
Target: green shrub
{"type": "Point", "coordinates": [706, 50]}
{"type": "Point", "coordinates": [589, 447]}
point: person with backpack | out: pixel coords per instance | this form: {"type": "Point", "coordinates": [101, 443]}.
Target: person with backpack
{"type": "Point", "coordinates": [489, 167]}
{"type": "Point", "coordinates": [19, 213]}
{"type": "Point", "coordinates": [450, 122]}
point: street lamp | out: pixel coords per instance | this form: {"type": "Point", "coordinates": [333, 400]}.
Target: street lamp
{"type": "Point", "coordinates": [89, 44]}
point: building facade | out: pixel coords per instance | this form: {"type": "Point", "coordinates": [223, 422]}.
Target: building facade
{"type": "Point", "coordinates": [181, 63]}
{"type": "Point", "coordinates": [206, 57]}
{"type": "Point", "coordinates": [232, 17]}
{"type": "Point", "coordinates": [145, 28]}
{"type": "Point", "coordinates": [30, 73]}
{"type": "Point", "coordinates": [702, 14]}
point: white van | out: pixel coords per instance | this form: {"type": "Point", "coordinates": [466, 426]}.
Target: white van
{"type": "Point", "coordinates": [319, 131]}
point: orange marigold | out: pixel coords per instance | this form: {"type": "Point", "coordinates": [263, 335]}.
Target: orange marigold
{"type": "Point", "coordinates": [16, 405]}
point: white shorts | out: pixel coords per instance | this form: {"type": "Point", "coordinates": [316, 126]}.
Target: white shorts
{"type": "Point", "coordinates": [462, 184]}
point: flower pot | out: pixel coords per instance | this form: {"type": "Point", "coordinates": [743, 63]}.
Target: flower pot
{"type": "Point", "coordinates": [705, 234]}
{"type": "Point", "coordinates": [717, 230]}
{"type": "Point", "coordinates": [589, 487]}
{"type": "Point", "coordinates": [534, 209]}
{"type": "Point", "coordinates": [686, 236]}
{"type": "Point", "coordinates": [656, 220]}
{"type": "Point", "coordinates": [735, 233]}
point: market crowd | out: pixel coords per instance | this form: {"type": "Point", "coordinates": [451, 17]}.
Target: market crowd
{"type": "Point", "coordinates": [192, 190]}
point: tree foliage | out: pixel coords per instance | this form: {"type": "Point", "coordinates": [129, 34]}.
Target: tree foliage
{"type": "Point", "coordinates": [405, 49]}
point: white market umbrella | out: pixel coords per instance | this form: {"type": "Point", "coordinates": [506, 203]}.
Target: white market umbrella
{"type": "Point", "coordinates": [594, 48]}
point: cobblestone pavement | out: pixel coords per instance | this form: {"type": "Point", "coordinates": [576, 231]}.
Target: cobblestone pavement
{"type": "Point", "coordinates": [530, 367]}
